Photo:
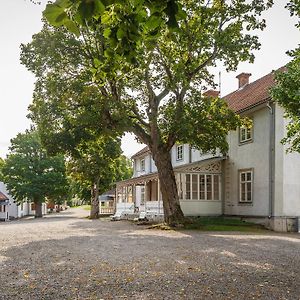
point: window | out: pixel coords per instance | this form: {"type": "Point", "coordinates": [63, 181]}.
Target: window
{"type": "Point", "coordinates": [179, 152]}
{"type": "Point", "coordinates": [187, 186]}
{"type": "Point", "coordinates": [245, 134]}
{"type": "Point", "coordinates": [143, 164]}
{"type": "Point", "coordinates": [195, 187]}
{"type": "Point", "coordinates": [202, 187]}
{"type": "Point", "coordinates": [142, 195]}
{"type": "Point", "coordinates": [129, 194]}
{"type": "Point", "coordinates": [2, 208]}
{"type": "Point", "coordinates": [246, 183]}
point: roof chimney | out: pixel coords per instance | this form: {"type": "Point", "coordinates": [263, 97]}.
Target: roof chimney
{"type": "Point", "coordinates": [243, 79]}
{"type": "Point", "coordinates": [211, 93]}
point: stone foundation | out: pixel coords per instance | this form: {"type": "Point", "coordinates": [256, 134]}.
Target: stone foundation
{"type": "Point", "coordinates": [283, 224]}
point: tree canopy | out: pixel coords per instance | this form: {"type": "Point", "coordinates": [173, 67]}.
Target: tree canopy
{"type": "Point", "coordinates": [97, 166]}
{"type": "Point", "coordinates": [30, 174]}
{"type": "Point", "coordinates": [158, 97]}
{"type": "Point", "coordinates": [126, 23]}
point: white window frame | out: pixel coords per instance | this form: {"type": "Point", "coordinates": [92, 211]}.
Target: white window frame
{"type": "Point", "coordinates": [143, 189]}
{"type": "Point", "coordinates": [245, 182]}
{"type": "Point", "coordinates": [143, 165]}
{"type": "Point", "coordinates": [247, 132]}
{"type": "Point", "coordinates": [213, 176]}
{"type": "Point", "coordinates": [179, 152]}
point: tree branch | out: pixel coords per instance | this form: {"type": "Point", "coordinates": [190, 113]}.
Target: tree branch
{"type": "Point", "coordinates": [140, 133]}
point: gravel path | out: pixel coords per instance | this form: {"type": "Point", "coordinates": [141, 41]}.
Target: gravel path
{"type": "Point", "coordinates": [65, 256]}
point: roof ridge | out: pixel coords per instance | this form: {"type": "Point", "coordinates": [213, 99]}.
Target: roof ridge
{"type": "Point", "coordinates": [3, 196]}
{"type": "Point", "coordinates": [142, 151]}
{"type": "Point", "coordinates": [252, 93]}
{"type": "Point", "coordinates": [253, 82]}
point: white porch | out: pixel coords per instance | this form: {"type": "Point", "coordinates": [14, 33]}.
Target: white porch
{"type": "Point", "coordinates": [199, 189]}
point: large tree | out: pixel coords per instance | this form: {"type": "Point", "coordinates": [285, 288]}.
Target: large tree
{"type": "Point", "coordinates": [287, 90]}
{"type": "Point", "coordinates": [158, 97]}
{"type": "Point", "coordinates": [96, 165]}
{"type": "Point", "coordinates": [31, 174]}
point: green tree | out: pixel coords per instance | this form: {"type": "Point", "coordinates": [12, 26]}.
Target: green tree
{"type": "Point", "coordinates": [159, 97]}
{"type": "Point", "coordinates": [126, 23]}
{"type": "Point", "coordinates": [123, 168]}
{"type": "Point", "coordinates": [30, 173]}
{"type": "Point", "coordinates": [95, 175]}
{"type": "Point", "coordinates": [287, 90]}
{"type": "Point", "coordinates": [95, 166]}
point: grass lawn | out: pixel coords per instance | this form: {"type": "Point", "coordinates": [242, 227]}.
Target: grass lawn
{"type": "Point", "coordinates": [221, 224]}
{"type": "Point", "coordinates": [86, 207]}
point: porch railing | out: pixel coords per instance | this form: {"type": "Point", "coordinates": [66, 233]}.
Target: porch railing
{"type": "Point", "coordinates": [107, 210]}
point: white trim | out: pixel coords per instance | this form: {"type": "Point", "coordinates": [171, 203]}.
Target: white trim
{"type": "Point", "coordinates": [246, 181]}
{"type": "Point", "coordinates": [143, 165]}
{"type": "Point", "coordinates": [247, 132]}
{"type": "Point", "coordinates": [205, 187]}
{"type": "Point", "coordinates": [179, 152]}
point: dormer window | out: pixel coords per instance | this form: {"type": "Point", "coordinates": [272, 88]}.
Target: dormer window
{"type": "Point", "coordinates": [179, 152]}
{"type": "Point", "coordinates": [245, 134]}
{"type": "Point", "coordinates": [143, 164]}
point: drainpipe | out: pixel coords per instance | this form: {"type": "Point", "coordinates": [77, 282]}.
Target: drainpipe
{"type": "Point", "coordinates": [271, 159]}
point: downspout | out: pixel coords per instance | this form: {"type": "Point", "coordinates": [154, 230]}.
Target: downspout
{"type": "Point", "coordinates": [271, 159]}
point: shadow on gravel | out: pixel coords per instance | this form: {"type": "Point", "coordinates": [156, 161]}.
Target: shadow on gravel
{"type": "Point", "coordinates": [42, 220]}
{"type": "Point", "coordinates": [107, 260]}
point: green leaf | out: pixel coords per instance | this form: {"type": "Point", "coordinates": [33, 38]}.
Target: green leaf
{"type": "Point", "coordinates": [97, 62]}
{"type": "Point", "coordinates": [105, 18]}
{"type": "Point", "coordinates": [181, 14]}
{"type": "Point", "coordinates": [86, 9]}
{"type": "Point", "coordinates": [108, 53]}
{"type": "Point", "coordinates": [63, 3]}
{"type": "Point", "coordinates": [153, 22]}
{"type": "Point", "coordinates": [171, 11]}
{"type": "Point", "coordinates": [52, 12]}
{"type": "Point", "coordinates": [61, 19]}
{"type": "Point", "coordinates": [99, 7]}
{"type": "Point", "coordinates": [72, 27]}
{"type": "Point", "coordinates": [106, 32]}
{"type": "Point", "coordinates": [120, 33]}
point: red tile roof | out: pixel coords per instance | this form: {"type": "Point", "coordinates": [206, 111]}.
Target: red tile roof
{"type": "Point", "coordinates": [3, 197]}
{"type": "Point", "coordinates": [143, 151]}
{"type": "Point", "coordinates": [251, 94]}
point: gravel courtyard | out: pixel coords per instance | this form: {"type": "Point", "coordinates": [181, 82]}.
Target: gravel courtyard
{"type": "Point", "coordinates": [66, 256]}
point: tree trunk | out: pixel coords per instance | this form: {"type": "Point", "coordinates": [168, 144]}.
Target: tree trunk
{"type": "Point", "coordinates": [94, 213]}
{"type": "Point", "coordinates": [38, 210]}
{"type": "Point", "coordinates": [172, 211]}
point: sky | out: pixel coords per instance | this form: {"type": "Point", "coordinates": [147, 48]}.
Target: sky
{"type": "Point", "coordinates": [20, 19]}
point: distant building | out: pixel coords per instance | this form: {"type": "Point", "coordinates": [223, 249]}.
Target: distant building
{"type": "Point", "coordinates": [107, 202]}
{"type": "Point", "coordinates": [10, 209]}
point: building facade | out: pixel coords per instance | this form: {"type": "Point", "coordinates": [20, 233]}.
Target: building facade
{"type": "Point", "coordinates": [256, 179]}
{"type": "Point", "coordinates": [10, 209]}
